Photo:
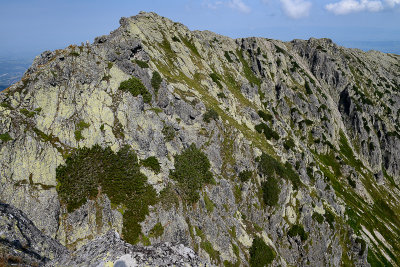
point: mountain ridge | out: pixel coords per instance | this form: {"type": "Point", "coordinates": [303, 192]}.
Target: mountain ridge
{"type": "Point", "coordinates": [315, 121]}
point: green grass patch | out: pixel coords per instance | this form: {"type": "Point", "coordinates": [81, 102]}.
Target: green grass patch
{"type": "Point", "coordinates": [214, 254]}
{"type": "Point", "coordinates": [79, 128]}
{"type": "Point", "coordinates": [90, 171]}
{"type": "Point", "coordinates": [346, 151]}
{"type": "Point", "coordinates": [216, 79]}
{"type": "Point", "coordinates": [156, 81]}
{"type": "Point", "coordinates": [260, 253]}
{"type": "Point", "coordinates": [267, 131]}
{"type": "Point", "coordinates": [318, 217]}
{"type": "Point", "coordinates": [190, 45]}
{"type": "Point", "coordinates": [208, 202]}
{"type": "Point", "coordinates": [135, 87]}
{"type": "Point", "coordinates": [308, 88]}
{"type": "Point", "coordinates": [209, 115]}
{"type": "Point", "coordinates": [168, 132]}
{"type": "Point", "coordinates": [192, 171]}
{"type": "Point", "coordinates": [248, 73]}
{"type": "Point", "coordinates": [157, 230]}
{"type": "Point", "coordinates": [227, 56]}
{"type": "Point", "coordinates": [151, 163]}
{"type": "Point", "coordinates": [271, 167]}
{"type": "Point", "coordinates": [142, 64]}
{"type": "Point", "coordinates": [27, 113]}
{"type": "Point", "coordinates": [298, 230]}
{"type": "Point", "coordinates": [221, 95]}
{"type": "Point", "coordinates": [5, 137]}
{"type": "Point", "coordinates": [289, 144]}
{"type": "Point", "coordinates": [271, 191]}
{"type": "Point", "coordinates": [245, 175]}
{"type": "Point", "coordinates": [265, 116]}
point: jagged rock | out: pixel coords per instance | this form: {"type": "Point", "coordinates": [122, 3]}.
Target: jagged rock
{"type": "Point", "coordinates": [22, 243]}
{"type": "Point", "coordinates": [109, 248]}
{"type": "Point", "coordinates": [330, 119]}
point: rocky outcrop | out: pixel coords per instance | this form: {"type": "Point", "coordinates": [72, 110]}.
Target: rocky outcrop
{"type": "Point", "coordinates": [22, 243]}
{"type": "Point", "coordinates": [110, 249]}
{"type": "Point", "coordinates": [302, 140]}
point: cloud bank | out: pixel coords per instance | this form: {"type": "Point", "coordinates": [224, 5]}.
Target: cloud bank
{"type": "Point", "coordinates": [344, 7]}
{"type": "Point", "coordinates": [296, 9]}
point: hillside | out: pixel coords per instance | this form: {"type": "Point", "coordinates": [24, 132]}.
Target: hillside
{"type": "Point", "coordinates": [213, 150]}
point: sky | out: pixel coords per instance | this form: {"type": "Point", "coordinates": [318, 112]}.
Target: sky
{"type": "Point", "coordinates": [29, 27]}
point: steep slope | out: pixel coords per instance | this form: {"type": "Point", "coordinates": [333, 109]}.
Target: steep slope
{"type": "Point", "coordinates": [235, 148]}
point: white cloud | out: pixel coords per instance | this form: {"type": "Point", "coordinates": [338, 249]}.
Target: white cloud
{"type": "Point", "coordinates": [350, 6]}
{"type": "Point", "coordinates": [234, 4]}
{"type": "Point", "coordinates": [239, 5]}
{"type": "Point", "coordinates": [296, 8]}
{"type": "Point", "coordinates": [392, 3]}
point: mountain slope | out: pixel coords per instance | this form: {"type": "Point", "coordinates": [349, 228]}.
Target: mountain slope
{"type": "Point", "coordinates": [235, 148]}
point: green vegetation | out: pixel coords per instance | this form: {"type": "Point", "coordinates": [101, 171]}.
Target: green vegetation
{"type": "Point", "coordinates": [192, 171]}
{"type": "Point", "coordinates": [168, 132]}
{"type": "Point", "coordinates": [214, 254]}
{"type": "Point", "coordinates": [142, 64]}
{"type": "Point", "coordinates": [308, 88]}
{"type": "Point", "coordinates": [248, 73]}
{"type": "Point", "coordinates": [329, 218]}
{"type": "Point", "coordinates": [318, 217]}
{"type": "Point", "coordinates": [280, 50]}
{"type": "Point", "coordinates": [90, 171]}
{"type": "Point", "coordinates": [221, 95]}
{"type": "Point", "coordinates": [135, 87]}
{"type": "Point", "coordinates": [237, 193]}
{"type": "Point", "coordinates": [260, 253]}
{"type": "Point", "coordinates": [244, 176]}
{"type": "Point", "coordinates": [151, 163]}
{"type": "Point", "coordinates": [169, 197]}
{"type": "Point", "coordinates": [271, 191]}
{"type": "Point", "coordinates": [5, 137]}
{"type": "Point", "coordinates": [156, 80]}
{"type": "Point", "coordinates": [208, 202]}
{"type": "Point", "coordinates": [271, 167]}
{"type": "Point", "coordinates": [265, 116]}
{"type": "Point", "coordinates": [228, 57]}
{"type": "Point", "coordinates": [363, 245]}
{"type": "Point", "coordinates": [289, 144]}
{"type": "Point", "coordinates": [109, 65]}
{"type": "Point", "coordinates": [74, 54]}
{"type": "Point", "coordinates": [209, 115]}
{"type": "Point", "coordinates": [190, 45]}
{"type": "Point", "coordinates": [27, 113]}
{"type": "Point", "coordinates": [79, 128]}
{"type": "Point", "coordinates": [268, 132]}
{"type": "Point", "coordinates": [346, 151]}
{"type": "Point", "coordinates": [106, 77]}
{"type": "Point", "coordinates": [157, 230]}
{"type": "Point", "coordinates": [216, 79]}
{"type": "Point", "coordinates": [298, 230]}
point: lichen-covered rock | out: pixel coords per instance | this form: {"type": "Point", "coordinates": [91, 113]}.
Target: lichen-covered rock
{"type": "Point", "coordinates": [318, 120]}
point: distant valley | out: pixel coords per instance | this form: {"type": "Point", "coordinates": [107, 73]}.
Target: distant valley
{"type": "Point", "coordinates": [12, 69]}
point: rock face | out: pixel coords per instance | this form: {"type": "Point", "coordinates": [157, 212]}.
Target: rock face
{"type": "Point", "coordinates": [302, 140]}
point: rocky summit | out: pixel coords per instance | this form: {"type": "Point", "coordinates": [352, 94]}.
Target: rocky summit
{"type": "Point", "coordinates": [156, 145]}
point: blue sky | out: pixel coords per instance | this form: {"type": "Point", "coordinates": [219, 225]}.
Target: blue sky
{"type": "Point", "coordinates": [29, 27]}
